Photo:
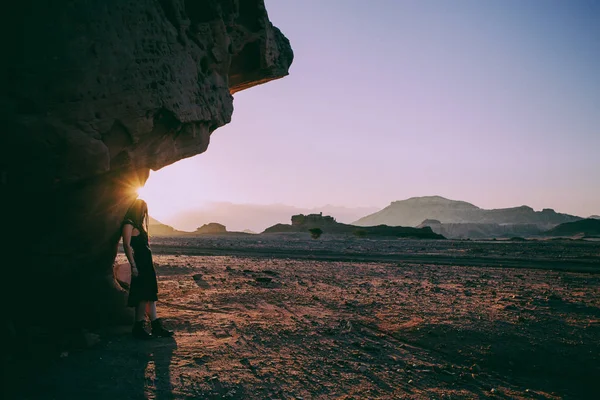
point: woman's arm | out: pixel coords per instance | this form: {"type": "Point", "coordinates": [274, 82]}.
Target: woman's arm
{"type": "Point", "coordinates": [127, 229]}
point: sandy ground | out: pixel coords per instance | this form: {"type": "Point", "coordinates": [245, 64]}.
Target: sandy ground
{"type": "Point", "coordinates": [306, 326]}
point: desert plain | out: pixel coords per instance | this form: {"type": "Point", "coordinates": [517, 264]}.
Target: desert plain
{"type": "Point", "coordinates": [289, 317]}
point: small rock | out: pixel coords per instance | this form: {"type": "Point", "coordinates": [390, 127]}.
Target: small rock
{"type": "Point", "coordinates": [91, 339]}
{"type": "Point", "coordinates": [476, 368]}
{"type": "Point", "coordinates": [362, 368]}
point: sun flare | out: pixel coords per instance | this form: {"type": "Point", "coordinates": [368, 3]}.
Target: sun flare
{"type": "Point", "coordinates": [142, 193]}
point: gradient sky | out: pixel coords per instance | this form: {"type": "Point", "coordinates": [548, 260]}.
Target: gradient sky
{"type": "Point", "coordinates": [492, 102]}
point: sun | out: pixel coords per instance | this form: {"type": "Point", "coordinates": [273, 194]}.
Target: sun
{"type": "Point", "coordinates": [142, 193]}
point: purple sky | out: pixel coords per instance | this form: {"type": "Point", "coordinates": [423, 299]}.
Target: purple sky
{"type": "Point", "coordinates": [492, 102]}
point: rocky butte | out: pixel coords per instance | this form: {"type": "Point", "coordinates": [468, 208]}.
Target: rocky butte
{"type": "Point", "coordinates": [94, 95]}
{"type": "Point", "coordinates": [211, 228]}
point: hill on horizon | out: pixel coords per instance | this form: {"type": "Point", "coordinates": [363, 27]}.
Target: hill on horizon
{"type": "Point", "coordinates": [157, 228]}
{"type": "Point", "coordinates": [256, 217]}
{"type": "Point", "coordinates": [585, 227]}
{"type": "Point", "coordinates": [415, 210]}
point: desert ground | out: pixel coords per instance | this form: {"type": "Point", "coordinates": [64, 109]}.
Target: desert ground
{"type": "Point", "coordinates": [288, 317]}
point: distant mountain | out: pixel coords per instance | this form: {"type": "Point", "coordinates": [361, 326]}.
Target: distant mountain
{"type": "Point", "coordinates": [585, 227]}
{"type": "Point", "coordinates": [257, 217]}
{"type": "Point", "coordinates": [594, 217]}
{"type": "Point", "coordinates": [157, 228]}
{"type": "Point", "coordinates": [413, 211]}
{"type": "Point", "coordinates": [302, 223]}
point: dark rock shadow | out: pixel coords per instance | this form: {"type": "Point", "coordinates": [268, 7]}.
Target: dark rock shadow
{"type": "Point", "coordinates": [200, 281]}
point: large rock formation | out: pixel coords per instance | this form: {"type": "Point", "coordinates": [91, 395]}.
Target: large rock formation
{"type": "Point", "coordinates": [211, 229]}
{"type": "Point", "coordinates": [94, 94]}
{"type": "Point", "coordinates": [327, 224]}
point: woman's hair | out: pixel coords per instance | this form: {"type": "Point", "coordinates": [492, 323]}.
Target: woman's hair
{"type": "Point", "coordinates": [138, 214]}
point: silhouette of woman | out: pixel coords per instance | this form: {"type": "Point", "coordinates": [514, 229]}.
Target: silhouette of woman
{"type": "Point", "coordinates": [143, 292]}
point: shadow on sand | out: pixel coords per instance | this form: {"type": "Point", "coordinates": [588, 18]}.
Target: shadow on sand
{"type": "Point", "coordinates": [120, 367]}
{"type": "Point", "coordinates": [152, 370]}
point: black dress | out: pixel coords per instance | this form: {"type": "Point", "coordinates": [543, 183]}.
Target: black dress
{"type": "Point", "coordinates": [144, 287]}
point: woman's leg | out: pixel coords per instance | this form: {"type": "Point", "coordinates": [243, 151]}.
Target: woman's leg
{"type": "Point", "coordinates": [140, 311]}
{"type": "Point", "coordinates": [151, 310]}
{"type": "Point", "coordinates": [140, 316]}
{"type": "Point", "coordinates": [157, 328]}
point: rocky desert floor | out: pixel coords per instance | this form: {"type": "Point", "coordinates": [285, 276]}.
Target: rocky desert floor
{"type": "Point", "coordinates": [287, 317]}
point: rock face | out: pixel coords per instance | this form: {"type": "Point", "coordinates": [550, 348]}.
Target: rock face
{"type": "Point", "coordinates": [100, 86]}
{"type": "Point", "coordinates": [94, 94]}
{"type": "Point", "coordinates": [413, 211]}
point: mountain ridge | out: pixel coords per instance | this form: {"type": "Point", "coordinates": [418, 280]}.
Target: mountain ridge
{"type": "Point", "coordinates": [413, 211]}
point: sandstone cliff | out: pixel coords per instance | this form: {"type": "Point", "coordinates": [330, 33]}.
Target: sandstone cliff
{"type": "Point", "coordinates": [94, 94]}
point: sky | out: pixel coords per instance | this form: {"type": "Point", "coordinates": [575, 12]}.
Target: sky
{"type": "Point", "coordinates": [493, 102]}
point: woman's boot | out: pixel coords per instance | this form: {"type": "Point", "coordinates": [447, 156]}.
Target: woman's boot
{"type": "Point", "coordinates": [159, 330]}
{"type": "Point", "coordinates": [139, 332]}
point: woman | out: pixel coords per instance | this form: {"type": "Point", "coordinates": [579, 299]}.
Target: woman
{"type": "Point", "coordinates": [143, 291]}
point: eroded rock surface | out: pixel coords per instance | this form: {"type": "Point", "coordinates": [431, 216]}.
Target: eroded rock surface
{"type": "Point", "coordinates": [94, 94]}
